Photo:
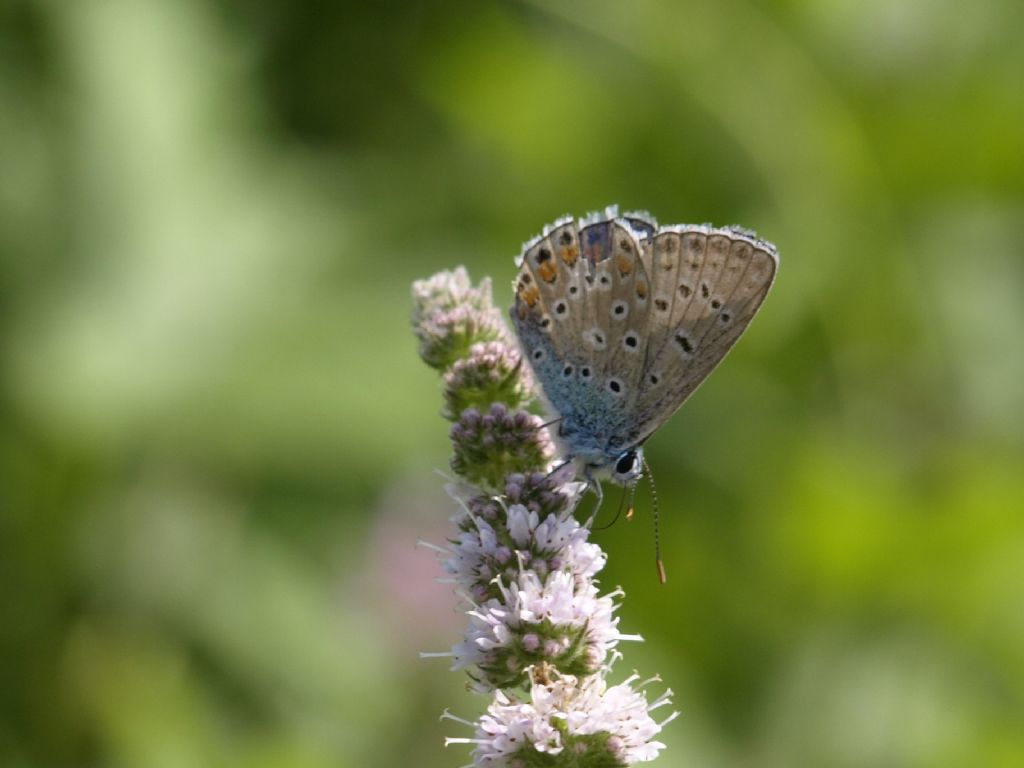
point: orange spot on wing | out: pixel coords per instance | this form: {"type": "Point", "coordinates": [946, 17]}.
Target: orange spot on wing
{"type": "Point", "coordinates": [529, 295]}
{"type": "Point", "coordinates": [624, 263]}
{"type": "Point", "coordinates": [570, 254]}
{"type": "Point", "coordinates": [548, 272]}
{"type": "Point", "coordinates": [641, 290]}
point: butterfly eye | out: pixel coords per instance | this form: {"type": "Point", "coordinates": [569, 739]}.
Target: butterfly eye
{"type": "Point", "coordinates": [626, 463]}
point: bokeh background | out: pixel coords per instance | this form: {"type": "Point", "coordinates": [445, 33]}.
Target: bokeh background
{"type": "Point", "coordinates": [218, 447]}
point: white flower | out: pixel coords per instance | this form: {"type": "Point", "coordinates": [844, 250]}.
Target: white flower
{"type": "Point", "coordinates": [559, 620]}
{"type": "Point", "coordinates": [622, 712]}
{"type": "Point", "coordinates": [521, 560]}
{"type": "Point", "coordinates": [561, 539]}
{"type": "Point", "coordinates": [474, 553]}
{"type": "Point", "coordinates": [558, 543]}
{"type": "Point", "coordinates": [565, 711]}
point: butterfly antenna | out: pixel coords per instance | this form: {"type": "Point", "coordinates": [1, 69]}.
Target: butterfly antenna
{"type": "Point", "coordinates": [657, 533]}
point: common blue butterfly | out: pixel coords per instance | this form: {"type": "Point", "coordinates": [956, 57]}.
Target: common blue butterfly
{"type": "Point", "coordinates": [621, 320]}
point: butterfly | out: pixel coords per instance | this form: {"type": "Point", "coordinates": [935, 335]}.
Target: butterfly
{"type": "Point", "coordinates": [621, 320]}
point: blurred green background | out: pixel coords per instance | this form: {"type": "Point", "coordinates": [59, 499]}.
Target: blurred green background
{"type": "Point", "coordinates": [217, 444]}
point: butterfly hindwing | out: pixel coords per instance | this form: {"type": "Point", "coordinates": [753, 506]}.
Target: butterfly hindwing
{"type": "Point", "coordinates": [561, 292]}
{"type": "Point", "coordinates": [543, 313]}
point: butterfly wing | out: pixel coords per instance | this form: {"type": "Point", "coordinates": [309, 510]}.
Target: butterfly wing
{"type": "Point", "coordinates": [622, 321]}
{"type": "Point", "coordinates": [620, 311]}
{"type": "Point", "coordinates": [706, 286]}
{"type": "Point", "coordinates": [549, 309]}
{"type": "Point", "coordinates": [580, 310]}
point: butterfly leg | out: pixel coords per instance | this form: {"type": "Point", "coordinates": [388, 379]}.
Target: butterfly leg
{"type": "Point", "coordinates": [595, 485]}
{"type": "Point", "coordinates": [598, 490]}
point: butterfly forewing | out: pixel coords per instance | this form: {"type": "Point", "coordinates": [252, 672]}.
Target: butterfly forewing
{"type": "Point", "coordinates": [691, 302]}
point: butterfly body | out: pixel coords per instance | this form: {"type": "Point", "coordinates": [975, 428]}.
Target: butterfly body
{"type": "Point", "coordinates": [621, 320]}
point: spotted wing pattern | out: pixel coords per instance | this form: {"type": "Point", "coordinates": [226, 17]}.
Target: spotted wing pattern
{"type": "Point", "coordinates": [707, 285]}
{"type": "Point", "coordinates": [573, 281]}
{"type": "Point", "coordinates": [622, 320]}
